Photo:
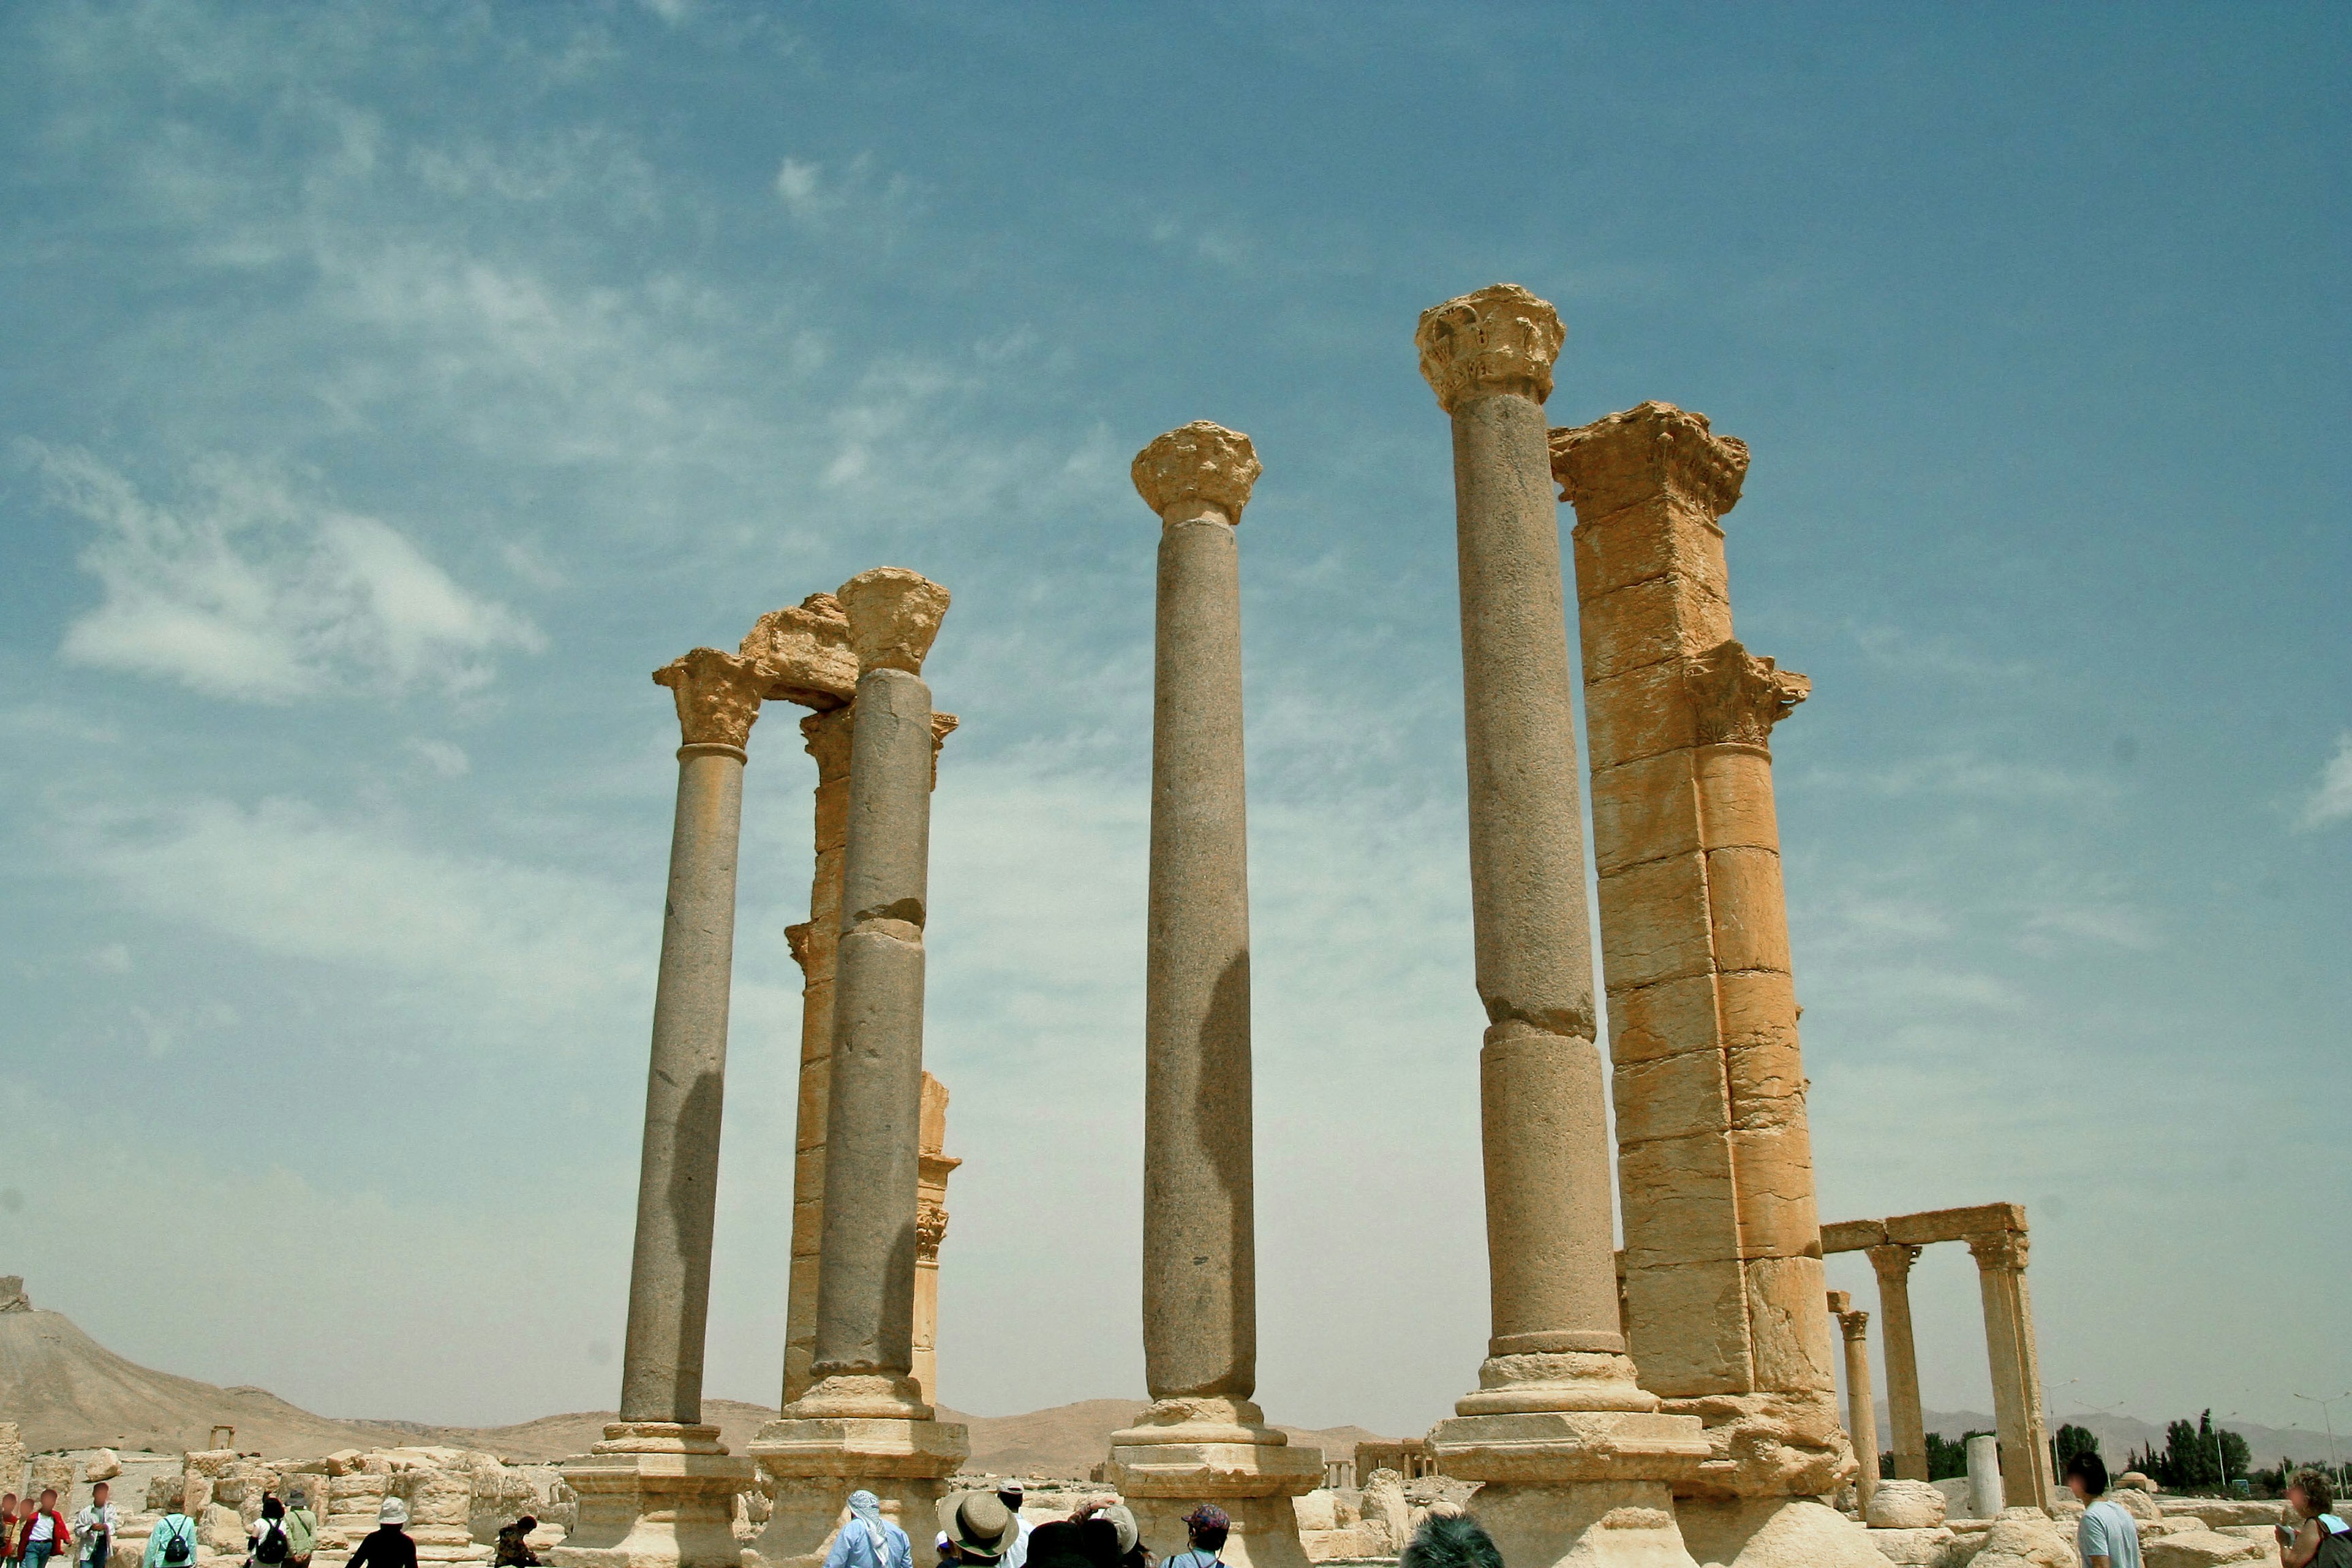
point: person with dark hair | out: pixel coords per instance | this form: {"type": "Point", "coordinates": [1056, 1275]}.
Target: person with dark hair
{"type": "Point", "coordinates": [1056, 1545]}
{"type": "Point", "coordinates": [514, 1544]}
{"type": "Point", "coordinates": [1450, 1541]}
{"type": "Point", "coordinates": [94, 1527]}
{"type": "Point", "coordinates": [47, 1535]}
{"type": "Point", "coordinates": [1207, 1527]}
{"type": "Point", "coordinates": [12, 1530]}
{"type": "Point", "coordinates": [2320, 1539]}
{"type": "Point", "coordinates": [2107, 1536]}
{"type": "Point", "coordinates": [301, 1529]}
{"type": "Point", "coordinates": [387, 1545]}
{"type": "Point", "coordinates": [267, 1542]}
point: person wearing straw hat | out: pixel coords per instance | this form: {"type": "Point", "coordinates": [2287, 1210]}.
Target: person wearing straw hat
{"type": "Point", "coordinates": [867, 1539]}
{"type": "Point", "coordinates": [387, 1545]}
{"type": "Point", "coordinates": [980, 1528]}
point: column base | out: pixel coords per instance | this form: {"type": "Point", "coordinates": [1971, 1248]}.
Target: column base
{"type": "Point", "coordinates": [1186, 1452]}
{"type": "Point", "coordinates": [1582, 1524]}
{"type": "Point", "coordinates": [655, 1494]}
{"type": "Point", "coordinates": [810, 1465]}
{"type": "Point", "coordinates": [1774, 1533]}
{"type": "Point", "coordinates": [1775, 1445]}
{"type": "Point", "coordinates": [1576, 1486]}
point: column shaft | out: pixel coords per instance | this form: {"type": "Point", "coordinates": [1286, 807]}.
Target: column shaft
{"type": "Point", "coordinates": [2018, 1416]}
{"type": "Point", "coordinates": [930, 1229]}
{"type": "Point", "coordinates": [1892, 1263]}
{"type": "Point", "coordinates": [1861, 1405]}
{"type": "Point", "coordinates": [1200, 1323]}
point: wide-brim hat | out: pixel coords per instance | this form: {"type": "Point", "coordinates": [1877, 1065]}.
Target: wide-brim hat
{"type": "Point", "coordinates": [978, 1524]}
{"type": "Point", "coordinates": [394, 1511]}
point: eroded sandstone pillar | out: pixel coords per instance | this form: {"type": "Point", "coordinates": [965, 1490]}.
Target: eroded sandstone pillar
{"type": "Point", "coordinates": [1203, 1439]}
{"type": "Point", "coordinates": [1574, 1456]}
{"type": "Point", "coordinates": [1723, 1270]}
{"type": "Point", "coordinates": [863, 1421]}
{"type": "Point", "coordinates": [1861, 1405]}
{"type": "Point", "coordinates": [1892, 1262]}
{"type": "Point", "coordinates": [660, 1488]}
{"type": "Point", "coordinates": [2017, 1413]}
{"type": "Point", "coordinates": [934, 1166]}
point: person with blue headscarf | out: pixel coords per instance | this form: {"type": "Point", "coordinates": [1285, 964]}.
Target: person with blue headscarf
{"type": "Point", "coordinates": [867, 1539]}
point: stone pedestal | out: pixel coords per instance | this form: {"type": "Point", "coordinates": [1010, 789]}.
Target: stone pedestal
{"type": "Point", "coordinates": [655, 1494]}
{"type": "Point", "coordinates": [1576, 1462]}
{"type": "Point", "coordinates": [809, 1468]}
{"type": "Point", "coordinates": [1186, 1452]}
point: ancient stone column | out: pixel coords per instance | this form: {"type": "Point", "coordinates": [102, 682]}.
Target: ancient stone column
{"type": "Point", "coordinates": [1892, 1261]}
{"type": "Point", "coordinates": [1203, 1439]}
{"type": "Point", "coordinates": [1723, 1270]}
{"type": "Point", "coordinates": [933, 1169]}
{"type": "Point", "coordinates": [1572, 1452]}
{"type": "Point", "coordinates": [1861, 1407]}
{"type": "Point", "coordinates": [2017, 1413]}
{"type": "Point", "coordinates": [660, 1488]}
{"type": "Point", "coordinates": [863, 1421]}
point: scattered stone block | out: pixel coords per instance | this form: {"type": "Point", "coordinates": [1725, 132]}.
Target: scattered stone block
{"type": "Point", "coordinates": [2199, 1549]}
{"type": "Point", "coordinates": [1907, 1505]}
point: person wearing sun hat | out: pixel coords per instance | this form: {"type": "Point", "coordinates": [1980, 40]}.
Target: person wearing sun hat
{"type": "Point", "coordinates": [1206, 1527]}
{"type": "Point", "coordinates": [980, 1527]}
{"type": "Point", "coordinates": [387, 1545]}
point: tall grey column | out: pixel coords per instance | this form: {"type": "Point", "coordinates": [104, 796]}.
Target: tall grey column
{"type": "Point", "coordinates": [1203, 1439]}
{"type": "Point", "coordinates": [659, 1489]}
{"type": "Point", "coordinates": [1557, 1348]}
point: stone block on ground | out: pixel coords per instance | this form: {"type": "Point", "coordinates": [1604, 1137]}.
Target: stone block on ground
{"type": "Point", "coordinates": [2199, 1549]}
{"type": "Point", "coordinates": [103, 1465]}
{"type": "Point", "coordinates": [2026, 1538]}
{"type": "Point", "coordinates": [1907, 1505]}
{"type": "Point", "coordinates": [1940, 1546]}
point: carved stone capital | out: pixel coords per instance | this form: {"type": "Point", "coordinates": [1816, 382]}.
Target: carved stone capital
{"type": "Point", "coordinates": [718, 696]}
{"type": "Point", "coordinates": [806, 650]}
{"type": "Point", "coordinates": [1738, 696]}
{"type": "Point", "coordinates": [894, 613]}
{"type": "Point", "coordinates": [1893, 1261]}
{"type": "Point", "coordinates": [1855, 1324]}
{"type": "Point", "coordinates": [1197, 462]}
{"type": "Point", "coordinates": [930, 1229]}
{"type": "Point", "coordinates": [1499, 339]}
{"type": "Point", "coordinates": [1999, 1251]}
{"type": "Point", "coordinates": [1649, 450]}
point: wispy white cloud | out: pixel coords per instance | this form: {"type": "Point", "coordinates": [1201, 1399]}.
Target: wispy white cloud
{"type": "Point", "coordinates": [2331, 801]}
{"type": "Point", "coordinates": [250, 591]}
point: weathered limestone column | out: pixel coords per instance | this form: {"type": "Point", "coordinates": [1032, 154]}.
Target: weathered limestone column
{"type": "Point", "coordinates": [864, 1422]}
{"type": "Point", "coordinates": [1574, 1456]}
{"type": "Point", "coordinates": [1203, 1439]}
{"type": "Point", "coordinates": [1723, 1270]}
{"type": "Point", "coordinates": [1892, 1261]}
{"type": "Point", "coordinates": [1861, 1407]}
{"type": "Point", "coordinates": [660, 1488]}
{"type": "Point", "coordinates": [934, 1167]}
{"type": "Point", "coordinates": [2017, 1411]}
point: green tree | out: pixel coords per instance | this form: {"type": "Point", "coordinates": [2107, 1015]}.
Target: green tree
{"type": "Point", "coordinates": [2073, 1440]}
{"type": "Point", "coordinates": [1946, 1458]}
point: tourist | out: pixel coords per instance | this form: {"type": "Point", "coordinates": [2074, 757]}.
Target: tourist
{"type": "Point", "coordinates": [514, 1544]}
{"type": "Point", "coordinates": [1452, 1541]}
{"type": "Point", "coordinates": [387, 1545]}
{"type": "Point", "coordinates": [980, 1528]}
{"type": "Point", "coordinates": [2105, 1536]}
{"type": "Point", "coordinates": [172, 1542]}
{"type": "Point", "coordinates": [12, 1530]}
{"type": "Point", "coordinates": [93, 1528]}
{"type": "Point", "coordinates": [1056, 1544]}
{"type": "Point", "coordinates": [867, 1539]}
{"type": "Point", "coordinates": [301, 1529]}
{"type": "Point", "coordinates": [1010, 1495]}
{"type": "Point", "coordinates": [268, 1542]}
{"type": "Point", "coordinates": [1108, 1536]}
{"type": "Point", "coordinates": [47, 1536]}
{"type": "Point", "coordinates": [1206, 1527]}
{"type": "Point", "coordinates": [2321, 1539]}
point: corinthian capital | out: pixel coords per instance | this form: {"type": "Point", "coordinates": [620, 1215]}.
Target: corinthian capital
{"type": "Point", "coordinates": [1500, 339]}
{"type": "Point", "coordinates": [1200, 462]}
{"type": "Point", "coordinates": [1650, 450]}
{"type": "Point", "coordinates": [1999, 1251]}
{"type": "Point", "coordinates": [807, 645]}
{"type": "Point", "coordinates": [1893, 1261]}
{"type": "Point", "coordinates": [717, 695]}
{"type": "Point", "coordinates": [1738, 696]}
{"type": "Point", "coordinates": [894, 613]}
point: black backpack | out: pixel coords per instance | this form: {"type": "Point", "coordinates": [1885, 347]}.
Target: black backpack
{"type": "Point", "coordinates": [271, 1547]}
{"type": "Point", "coordinates": [2334, 1549]}
{"type": "Point", "coordinates": [178, 1548]}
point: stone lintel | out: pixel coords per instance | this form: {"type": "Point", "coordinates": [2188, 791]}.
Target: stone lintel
{"type": "Point", "coordinates": [805, 650]}
{"type": "Point", "coordinates": [1955, 1225]}
{"type": "Point", "coordinates": [1854, 1235]}
{"type": "Point", "coordinates": [1540, 1446]}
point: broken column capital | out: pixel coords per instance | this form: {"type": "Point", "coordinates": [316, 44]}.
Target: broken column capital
{"type": "Point", "coordinates": [1892, 1260]}
{"type": "Point", "coordinates": [805, 649]}
{"type": "Point", "coordinates": [893, 613]}
{"type": "Point", "coordinates": [718, 696]}
{"type": "Point", "coordinates": [1500, 339]}
{"type": "Point", "coordinates": [1855, 1323]}
{"type": "Point", "coordinates": [1646, 451]}
{"type": "Point", "coordinates": [1999, 1251]}
{"type": "Point", "coordinates": [1195, 466]}
{"type": "Point", "coordinates": [1738, 696]}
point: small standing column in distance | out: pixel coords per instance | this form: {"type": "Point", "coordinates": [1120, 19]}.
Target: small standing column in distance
{"type": "Point", "coordinates": [1203, 1439]}
{"type": "Point", "coordinates": [1861, 1407]}
{"type": "Point", "coordinates": [863, 1421]}
{"type": "Point", "coordinates": [930, 1229]}
{"type": "Point", "coordinates": [2017, 1413]}
{"type": "Point", "coordinates": [660, 1488]}
{"type": "Point", "coordinates": [1576, 1460]}
{"type": "Point", "coordinates": [1892, 1262]}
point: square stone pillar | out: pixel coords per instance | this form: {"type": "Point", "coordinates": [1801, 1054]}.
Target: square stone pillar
{"type": "Point", "coordinates": [935, 1166]}
{"type": "Point", "coordinates": [1725, 1292]}
{"type": "Point", "coordinates": [2016, 1411]}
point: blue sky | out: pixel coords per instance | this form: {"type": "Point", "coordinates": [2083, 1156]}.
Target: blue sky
{"type": "Point", "coordinates": [386, 392]}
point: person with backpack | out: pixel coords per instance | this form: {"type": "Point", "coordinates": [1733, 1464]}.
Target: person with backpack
{"type": "Point", "coordinates": [2107, 1536]}
{"type": "Point", "coordinates": [94, 1527]}
{"type": "Point", "coordinates": [267, 1543]}
{"type": "Point", "coordinates": [301, 1530]}
{"type": "Point", "coordinates": [172, 1542]}
{"type": "Point", "coordinates": [1206, 1530]}
{"type": "Point", "coordinates": [2321, 1539]}
{"type": "Point", "coordinates": [46, 1537]}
